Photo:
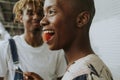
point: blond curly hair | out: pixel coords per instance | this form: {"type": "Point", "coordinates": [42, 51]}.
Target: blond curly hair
{"type": "Point", "coordinates": [20, 5]}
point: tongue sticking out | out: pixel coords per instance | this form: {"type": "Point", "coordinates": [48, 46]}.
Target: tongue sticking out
{"type": "Point", "coordinates": [46, 36]}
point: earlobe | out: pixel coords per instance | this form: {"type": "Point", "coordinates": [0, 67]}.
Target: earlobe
{"type": "Point", "coordinates": [21, 20]}
{"type": "Point", "coordinates": [83, 18]}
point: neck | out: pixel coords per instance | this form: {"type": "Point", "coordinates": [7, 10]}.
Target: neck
{"type": "Point", "coordinates": [78, 50]}
{"type": "Point", "coordinates": [77, 54]}
{"type": "Point", "coordinates": [34, 40]}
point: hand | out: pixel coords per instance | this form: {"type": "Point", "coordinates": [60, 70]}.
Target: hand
{"type": "Point", "coordinates": [31, 76]}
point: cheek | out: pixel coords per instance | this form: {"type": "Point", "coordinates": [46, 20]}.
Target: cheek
{"type": "Point", "coordinates": [62, 32]}
{"type": "Point", "coordinates": [58, 21]}
{"type": "Point", "coordinates": [27, 19]}
{"type": "Point", "coordinates": [65, 32]}
{"type": "Point", "coordinates": [61, 24]}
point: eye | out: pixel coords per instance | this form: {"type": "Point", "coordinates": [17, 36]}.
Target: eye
{"type": "Point", "coordinates": [51, 12]}
{"type": "Point", "coordinates": [30, 12]}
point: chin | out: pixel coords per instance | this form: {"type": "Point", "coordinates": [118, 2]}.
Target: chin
{"type": "Point", "coordinates": [54, 48]}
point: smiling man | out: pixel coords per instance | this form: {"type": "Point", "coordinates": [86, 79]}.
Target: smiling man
{"type": "Point", "coordinates": [66, 25]}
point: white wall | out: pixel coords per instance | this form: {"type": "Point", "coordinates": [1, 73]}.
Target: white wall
{"type": "Point", "coordinates": [105, 34]}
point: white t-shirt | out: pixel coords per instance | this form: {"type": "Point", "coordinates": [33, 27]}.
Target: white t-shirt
{"type": "Point", "coordinates": [90, 67]}
{"type": "Point", "coordinates": [48, 64]}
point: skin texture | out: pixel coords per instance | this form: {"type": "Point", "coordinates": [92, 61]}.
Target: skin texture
{"type": "Point", "coordinates": [54, 16]}
{"type": "Point", "coordinates": [31, 24]}
{"type": "Point", "coordinates": [71, 27]}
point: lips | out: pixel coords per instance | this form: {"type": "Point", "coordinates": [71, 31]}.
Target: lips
{"type": "Point", "coordinates": [36, 22]}
{"type": "Point", "coordinates": [47, 35]}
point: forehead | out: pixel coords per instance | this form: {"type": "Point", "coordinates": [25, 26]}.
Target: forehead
{"type": "Point", "coordinates": [31, 6]}
{"type": "Point", "coordinates": [57, 3]}
{"type": "Point", "coordinates": [28, 6]}
{"type": "Point", "coordinates": [50, 3]}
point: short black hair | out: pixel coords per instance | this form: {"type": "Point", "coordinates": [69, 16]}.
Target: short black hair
{"type": "Point", "coordinates": [85, 5]}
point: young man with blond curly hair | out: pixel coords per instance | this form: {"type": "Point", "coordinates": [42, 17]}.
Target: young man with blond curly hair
{"type": "Point", "coordinates": [33, 54]}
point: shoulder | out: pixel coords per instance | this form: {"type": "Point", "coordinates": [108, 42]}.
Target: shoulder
{"type": "Point", "coordinates": [4, 49]}
{"type": "Point", "coordinates": [88, 72]}
{"type": "Point", "coordinates": [89, 67]}
{"type": "Point", "coordinates": [4, 44]}
{"type": "Point", "coordinates": [19, 40]}
{"type": "Point", "coordinates": [17, 37]}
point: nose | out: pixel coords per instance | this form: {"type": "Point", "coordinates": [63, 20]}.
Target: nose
{"type": "Point", "coordinates": [44, 21]}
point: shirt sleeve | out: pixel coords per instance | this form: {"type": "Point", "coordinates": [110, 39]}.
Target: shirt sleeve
{"type": "Point", "coordinates": [86, 77]}
{"type": "Point", "coordinates": [3, 64]}
{"type": "Point", "coordinates": [81, 77]}
{"type": "Point", "coordinates": [104, 74]}
{"type": "Point", "coordinates": [61, 64]}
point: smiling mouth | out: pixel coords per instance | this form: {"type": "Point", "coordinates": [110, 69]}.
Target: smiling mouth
{"type": "Point", "coordinates": [47, 35]}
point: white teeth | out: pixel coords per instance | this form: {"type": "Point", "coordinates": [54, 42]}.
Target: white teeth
{"type": "Point", "coordinates": [48, 31]}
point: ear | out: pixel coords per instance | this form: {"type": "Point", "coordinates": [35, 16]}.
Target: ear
{"type": "Point", "coordinates": [21, 19]}
{"type": "Point", "coordinates": [83, 18]}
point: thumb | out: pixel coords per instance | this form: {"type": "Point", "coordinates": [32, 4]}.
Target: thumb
{"type": "Point", "coordinates": [32, 76]}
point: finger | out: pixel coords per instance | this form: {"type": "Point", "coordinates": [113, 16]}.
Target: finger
{"type": "Point", "coordinates": [35, 76]}
{"type": "Point", "coordinates": [25, 75]}
{"type": "Point", "coordinates": [32, 76]}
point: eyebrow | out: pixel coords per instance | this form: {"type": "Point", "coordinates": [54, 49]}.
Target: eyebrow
{"type": "Point", "coordinates": [29, 9]}
{"type": "Point", "coordinates": [48, 7]}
